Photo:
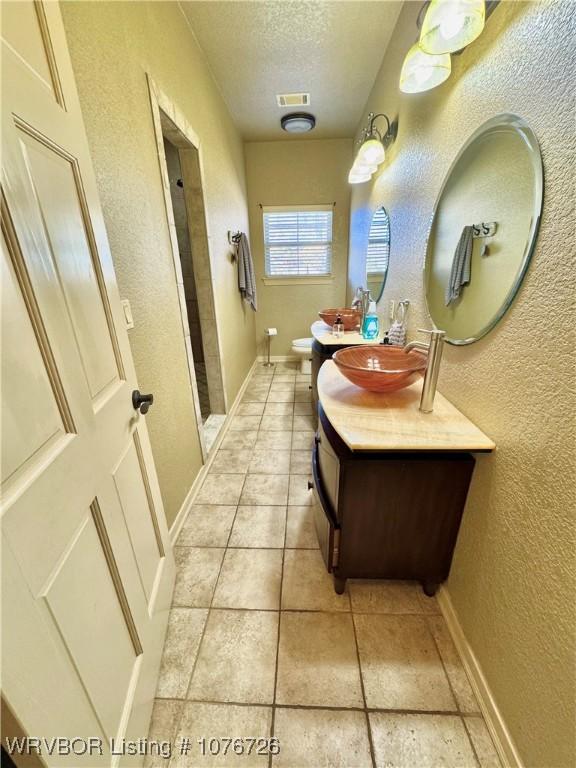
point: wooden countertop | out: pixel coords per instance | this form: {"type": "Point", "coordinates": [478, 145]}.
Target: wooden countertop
{"type": "Point", "coordinates": [323, 334]}
{"type": "Point", "coordinates": [374, 421]}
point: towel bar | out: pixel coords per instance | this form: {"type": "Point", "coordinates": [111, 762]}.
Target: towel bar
{"type": "Point", "coordinates": [233, 237]}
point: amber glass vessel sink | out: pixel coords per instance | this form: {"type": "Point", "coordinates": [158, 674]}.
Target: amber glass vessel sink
{"type": "Point", "coordinates": [350, 317]}
{"type": "Point", "coordinates": [380, 368]}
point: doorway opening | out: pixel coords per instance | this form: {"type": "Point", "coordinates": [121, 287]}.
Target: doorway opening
{"type": "Point", "coordinates": [180, 165]}
{"type": "Point", "coordinates": [186, 258]}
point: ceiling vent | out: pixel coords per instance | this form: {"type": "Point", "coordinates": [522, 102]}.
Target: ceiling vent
{"type": "Point", "coordinates": [293, 99]}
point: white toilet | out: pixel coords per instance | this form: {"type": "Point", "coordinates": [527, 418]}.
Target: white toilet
{"type": "Point", "coordinates": [303, 348]}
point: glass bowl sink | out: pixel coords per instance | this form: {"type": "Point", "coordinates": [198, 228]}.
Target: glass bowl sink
{"type": "Point", "coordinates": [380, 368]}
{"type": "Point", "coordinates": [350, 317]}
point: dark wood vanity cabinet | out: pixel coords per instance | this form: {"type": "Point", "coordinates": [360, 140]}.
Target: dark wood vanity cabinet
{"type": "Point", "coordinates": [391, 515]}
{"type": "Point", "coordinates": [321, 353]}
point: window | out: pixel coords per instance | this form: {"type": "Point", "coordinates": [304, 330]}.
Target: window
{"type": "Point", "coordinates": [378, 251]}
{"type": "Point", "coordinates": [298, 241]}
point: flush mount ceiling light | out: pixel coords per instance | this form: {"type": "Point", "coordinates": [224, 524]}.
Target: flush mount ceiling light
{"type": "Point", "coordinates": [422, 71]}
{"type": "Point", "coordinates": [450, 25]}
{"type": "Point", "coordinates": [371, 153]}
{"type": "Point", "coordinates": [298, 122]}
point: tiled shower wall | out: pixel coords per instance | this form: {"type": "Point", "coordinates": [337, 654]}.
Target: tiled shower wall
{"type": "Point", "coordinates": [185, 250]}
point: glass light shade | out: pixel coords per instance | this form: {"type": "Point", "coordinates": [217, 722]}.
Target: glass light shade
{"type": "Point", "coordinates": [421, 71]}
{"type": "Point", "coordinates": [450, 25]}
{"type": "Point", "coordinates": [359, 176]}
{"type": "Point", "coordinates": [371, 152]}
{"type": "Point", "coordinates": [362, 167]}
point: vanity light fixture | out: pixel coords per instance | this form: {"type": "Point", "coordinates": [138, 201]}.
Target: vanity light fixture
{"type": "Point", "coordinates": [446, 26]}
{"type": "Point", "coordinates": [421, 71]}
{"type": "Point", "coordinates": [450, 25]}
{"type": "Point", "coordinates": [298, 122]}
{"type": "Point", "coordinates": [372, 152]}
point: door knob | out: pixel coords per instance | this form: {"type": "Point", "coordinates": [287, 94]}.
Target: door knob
{"type": "Point", "coordinates": [141, 402]}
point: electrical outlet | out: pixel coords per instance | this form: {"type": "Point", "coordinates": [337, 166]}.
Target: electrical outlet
{"type": "Point", "coordinates": [391, 310]}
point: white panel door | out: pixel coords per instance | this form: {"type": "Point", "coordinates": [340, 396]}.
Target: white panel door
{"type": "Point", "coordinates": [86, 562]}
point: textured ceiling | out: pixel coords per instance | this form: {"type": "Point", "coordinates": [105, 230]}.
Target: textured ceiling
{"type": "Point", "coordinates": [331, 49]}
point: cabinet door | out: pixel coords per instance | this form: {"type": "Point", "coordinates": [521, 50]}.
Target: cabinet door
{"type": "Point", "coordinates": [401, 514]}
{"type": "Point", "coordinates": [324, 521]}
{"type": "Point", "coordinates": [329, 466]}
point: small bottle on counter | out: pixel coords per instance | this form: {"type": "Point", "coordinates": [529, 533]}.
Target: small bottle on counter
{"type": "Point", "coordinates": [370, 324]}
{"type": "Point", "coordinates": [338, 327]}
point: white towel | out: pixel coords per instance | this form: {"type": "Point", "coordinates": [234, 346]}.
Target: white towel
{"type": "Point", "coordinates": [397, 334]}
{"type": "Point", "coordinates": [461, 266]}
{"type": "Point", "coordinates": [246, 279]}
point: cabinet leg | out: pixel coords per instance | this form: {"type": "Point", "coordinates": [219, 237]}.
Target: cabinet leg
{"type": "Point", "coordinates": [429, 588]}
{"type": "Point", "coordinates": [339, 585]}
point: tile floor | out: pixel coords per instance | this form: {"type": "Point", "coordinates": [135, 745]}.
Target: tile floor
{"type": "Point", "coordinates": [259, 644]}
{"type": "Point", "coordinates": [212, 427]}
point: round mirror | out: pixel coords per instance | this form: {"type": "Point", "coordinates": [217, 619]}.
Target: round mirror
{"type": "Point", "coordinates": [484, 229]}
{"type": "Point", "coordinates": [378, 253]}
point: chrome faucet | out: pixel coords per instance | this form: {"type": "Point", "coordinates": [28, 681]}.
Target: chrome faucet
{"type": "Point", "coordinates": [365, 307]}
{"type": "Point", "coordinates": [357, 300]}
{"type": "Point", "coordinates": [434, 356]}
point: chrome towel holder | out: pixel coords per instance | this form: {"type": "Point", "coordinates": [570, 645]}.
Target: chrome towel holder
{"type": "Point", "coordinates": [234, 237]}
{"type": "Point", "coordinates": [484, 229]}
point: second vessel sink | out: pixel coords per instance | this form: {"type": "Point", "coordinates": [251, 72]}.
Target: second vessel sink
{"type": "Point", "coordinates": [380, 368]}
{"type": "Point", "coordinates": [350, 317]}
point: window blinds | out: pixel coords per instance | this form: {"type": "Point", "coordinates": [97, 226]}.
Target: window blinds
{"type": "Point", "coordinates": [378, 250]}
{"type": "Point", "coordinates": [298, 241]}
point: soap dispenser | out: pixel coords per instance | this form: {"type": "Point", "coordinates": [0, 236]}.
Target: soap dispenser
{"type": "Point", "coordinates": [338, 327]}
{"type": "Point", "coordinates": [370, 324]}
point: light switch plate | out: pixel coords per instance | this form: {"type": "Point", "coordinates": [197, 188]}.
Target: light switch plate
{"type": "Point", "coordinates": [392, 307]}
{"type": "Point", "coordinates": [127, 309]}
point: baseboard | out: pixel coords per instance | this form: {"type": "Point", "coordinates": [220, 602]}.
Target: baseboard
{"type": "Point", "coordinates": [494, 721]}
{"type": "Point", "coordinates": [176, 526]}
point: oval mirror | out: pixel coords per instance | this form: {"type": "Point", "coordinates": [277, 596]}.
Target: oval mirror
{"type": "Point", "coordinates": [378, 253]}
{"type": "Point", "coordinates": [484, 229]}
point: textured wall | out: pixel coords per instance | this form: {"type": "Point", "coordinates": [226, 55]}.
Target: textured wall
{"type": "Point", "coordinates": [306, 172]}
{"type": "Point", "coordinates": [513, 576]}
{"type": "Point", "coordinates": [113, 45]}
